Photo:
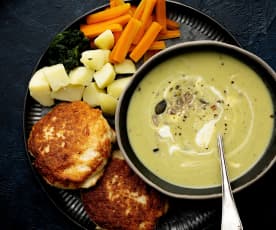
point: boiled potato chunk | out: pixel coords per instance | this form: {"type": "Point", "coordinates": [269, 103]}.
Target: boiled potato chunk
{"type": "Point", "coordinates": [125, 67]}
{"type": "Point", "coordinates": [56, 76]}
{"type": "Point", "coordinates": [40, 88]}
{"type": "Point", "coordinates": [95, 59]}
{"type": "Point", "coordinates": [90, 94]}
{"type": "Point", "coordinates": [105, 76]}
{"type": "Point", "coordinates": [69, 93]}
{"type": "Point", "coordinates": [108, 103]}
{"type": "Point", "coordinates": [105, 40]}
{"type": "Point", "coordinates": [81, 76]}
{"type": "Point", "coordinates": [116, 88]}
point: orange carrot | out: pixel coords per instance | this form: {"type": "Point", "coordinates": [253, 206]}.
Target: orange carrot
{"type": "Point", "coordinates": [169, 34]}
{"type": "Point", "coordinates": [120, 50]}
{"type": "Point", "coordinates": [172, 25]}
{"type": "Point", "coordinates": [142, 30]}
{"type": "Point", "coordinates": [146, 41]}
{"type": "Point", "coordinates": [148, 9]}
{"type": "Point", "coordinates": [120, 2]}
{"type": "Point", "coordinates": [117, 36]}
{"type": "Point", "coordinates": [139, 35]}
{"type": "Point", "coordinates": [108, 13]}
{"type": "Point", "coordinates": [114, 3]}
{"type": "Point", "coordinates": [160, 12]}
{"type": "Point", "coordinates": [148, 22]}
{"type": "Point", "coordinates": [158, 45]}
{"type": "Point", "coordinates": [122, 20]}
{"type": "Point", "coordinates": [149, 5]}
{"type": "Point", "coordinates": [139, 10]}
{"type": "Point", "coordinates": [92, 31]}
{"type": "Point", "coordinates": [132, 10]}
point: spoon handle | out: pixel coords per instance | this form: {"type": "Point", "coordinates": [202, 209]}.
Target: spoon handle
{"type": "Point", "coordinates": [230, 216]}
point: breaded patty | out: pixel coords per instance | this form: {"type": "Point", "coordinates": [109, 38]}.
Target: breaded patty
{"type": "Point", "coordinates": [71, 145]}
{"type": "Point", "coordinates": [122, 201]}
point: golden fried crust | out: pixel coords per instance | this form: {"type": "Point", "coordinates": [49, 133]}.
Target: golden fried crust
{"type": "Point", "coordinates": [70, 143]}
{"type": "Point", "coordinates": [121, 200]}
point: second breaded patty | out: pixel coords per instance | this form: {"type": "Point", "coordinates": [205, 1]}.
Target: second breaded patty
{"type": "Point", "coordinates": [121, 200]}
{"type": "Point", "coordinates": [71, 145]}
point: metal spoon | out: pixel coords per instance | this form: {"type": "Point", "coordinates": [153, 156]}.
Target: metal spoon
{"type": "Point", "coordinates": [230, 216]}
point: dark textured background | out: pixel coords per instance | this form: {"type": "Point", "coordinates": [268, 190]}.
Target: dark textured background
{"type": "Point", "coordinates": [26, 28]}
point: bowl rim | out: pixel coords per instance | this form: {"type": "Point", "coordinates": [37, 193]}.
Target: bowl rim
{"type": "Point", "coordinates": [150, 64]}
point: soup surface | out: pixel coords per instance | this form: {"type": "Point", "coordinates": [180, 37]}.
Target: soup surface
{"type": "Point", "coordinates": [179, 108]}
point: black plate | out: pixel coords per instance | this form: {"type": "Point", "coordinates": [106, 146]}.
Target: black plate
{"type": "Point", "coordinates": [183, 214]}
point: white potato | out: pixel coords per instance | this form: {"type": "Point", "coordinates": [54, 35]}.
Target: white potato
{"type": "Point", "coordinates": [81, 75]}
{"type": "Point", "coordinates": [56, 76]}
{"type": "Point", "coordinates": [108, 103]}
{"type": "Point", "coordinates": [105, 40]}
{"type": "Point", "coordinates": [105, 76]}
{"type": "Point", "coordinates": [69, 93]}
{"type": "Point", "coordinates": [90, 94]}
{"type": "Point", "coordinates": [125, 67]}
{"type": "Point", "coordinates": [40, 89]}
{"type": "Point", "coordinates": [95, 59]}
{"type": "Point", "coordinates": [116, 88]}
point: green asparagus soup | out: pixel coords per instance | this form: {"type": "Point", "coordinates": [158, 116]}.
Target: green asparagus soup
{"type": "Point", "coordinates": [178, 109]}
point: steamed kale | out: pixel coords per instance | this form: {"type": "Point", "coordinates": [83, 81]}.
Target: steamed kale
{"type": "Point", "coordinates": [66, 48]}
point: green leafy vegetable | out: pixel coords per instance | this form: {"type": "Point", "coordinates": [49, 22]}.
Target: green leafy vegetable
{"type": "Point", "coordinates": [66, 48]}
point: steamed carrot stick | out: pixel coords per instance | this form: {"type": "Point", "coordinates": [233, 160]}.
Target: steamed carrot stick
{"type": "Point", "coordinates": [149, 5]}
{"type": "Point", "coordinates": [146, 41]}
{"type": "Point", "coordinates": [91, 31]}
{"type": "Point", "coordinates": [122, 20]}
{"type": "Point", "coordinates": [120, 50]}
{"type": "Point", "coordinates": [169, 34]}
{"type": "Point", "coordinates": [114, 3]}
{"type": "Point", "coordinates": [139, 35]}
{"type": "Point", "coordinates": [117, 35]}
{"type": "Point", "coordinates": [139, 10]}
{"type": "Point", "coordinates": [172, 25]}
{"type": "Point", "coordinates": [148, 22]}
{"type": "Point", "coordinates": [148, 9]}
{"type": "Point", "coordinates": [142, 30]}
{"type": "Point", "coordinates": [108, 13]}
{"type": "Point", "coordinates": [158, 45]}
{"type": "Point", "coordinates": [132, 10]}
{"type": "Point", "coordinates": [160, 12]}
{"type": "Point", "coordinates": [120, 2]}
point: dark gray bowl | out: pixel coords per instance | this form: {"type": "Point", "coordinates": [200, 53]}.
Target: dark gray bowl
{"type": "Point", "coordinates": [259, 169]}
